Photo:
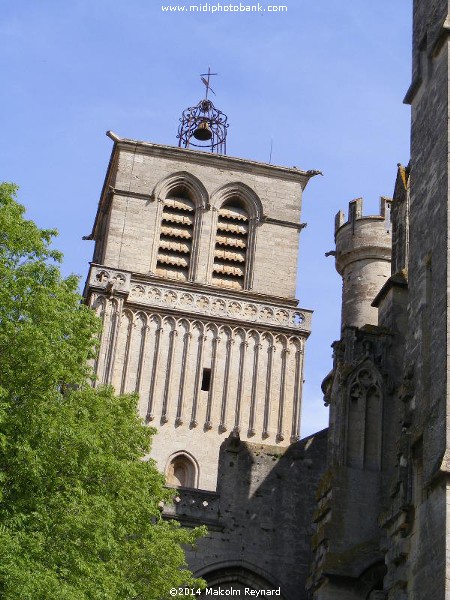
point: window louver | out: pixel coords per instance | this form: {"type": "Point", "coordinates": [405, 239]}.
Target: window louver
{"type": "Point", "coordinates": [230, 251]}
{"type": "Point", "coordinates": [175, 242]}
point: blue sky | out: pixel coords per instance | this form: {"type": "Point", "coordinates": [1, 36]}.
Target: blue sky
{"type": "Point", "coordinates": [325, 80]}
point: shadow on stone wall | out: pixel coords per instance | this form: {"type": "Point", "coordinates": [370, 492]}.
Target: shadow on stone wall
{"type": "Point", "coordinates": [260, 520]}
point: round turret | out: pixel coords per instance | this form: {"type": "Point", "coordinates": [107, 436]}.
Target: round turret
{"type": "Point", "coordinates": [363, 259]}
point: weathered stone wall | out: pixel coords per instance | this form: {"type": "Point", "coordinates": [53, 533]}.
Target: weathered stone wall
{"type": "Point", "coordinates": [422, 569]}
{"type": "Point", "coordinates": [135, 183]}
{"type": "Point", "coordinates": [412, 360]}
{"type": "Point", "coordinates": [348, 555]}
{"type": "Point", "coordinates": [261, 519]}
{"type": "Point", "coordinates": [157, 341]}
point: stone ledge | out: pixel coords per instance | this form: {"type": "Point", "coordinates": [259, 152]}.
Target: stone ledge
{"type": "Point", "coordinates": [194, 507]}
{"type": "Point", "coordinates": [214, 304]}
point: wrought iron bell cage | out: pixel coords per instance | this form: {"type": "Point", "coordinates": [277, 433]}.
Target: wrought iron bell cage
{"type": "Point", "coordinates": [203, 126]}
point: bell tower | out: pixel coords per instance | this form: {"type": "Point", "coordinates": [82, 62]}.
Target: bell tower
{"type": "Point", "coordinates": [193, 275]}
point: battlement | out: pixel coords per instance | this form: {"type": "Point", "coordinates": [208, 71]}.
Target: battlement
{"type": "Point", "coordinates": [363, 255]}
{"type": "Point", "coordinates": [360, 237]}
{"type": "Point", "coordinates": [355, 213]}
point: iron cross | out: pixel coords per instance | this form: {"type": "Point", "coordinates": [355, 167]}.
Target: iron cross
{"type": "Point", "coordinates": [206, 81]}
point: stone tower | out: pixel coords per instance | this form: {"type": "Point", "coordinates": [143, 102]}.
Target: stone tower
{"type": "Point", "coordinates": [349, 562]}
{"type": "Point", "coordinates": [194, 275]}
{"type": "Point", "coordinates": [363, 260]}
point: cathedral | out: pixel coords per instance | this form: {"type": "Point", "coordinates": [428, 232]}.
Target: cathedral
{"type": "Point", "coordinates": [193, 276]}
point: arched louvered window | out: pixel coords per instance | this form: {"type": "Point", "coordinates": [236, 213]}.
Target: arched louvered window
{"type": "Point", "coordinates": [175, 243]}
{"type": "Point", "coordinates": [230, 251]}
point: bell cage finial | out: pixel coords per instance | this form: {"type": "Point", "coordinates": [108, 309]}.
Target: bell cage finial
{"type": "Point", "coordinates": [203, 125]}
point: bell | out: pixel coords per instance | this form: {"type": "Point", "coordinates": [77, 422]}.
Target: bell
{"type": "Point", "coordinates": [203, 132]}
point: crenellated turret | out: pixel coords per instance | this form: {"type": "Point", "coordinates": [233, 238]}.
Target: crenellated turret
{"type": "Point", "coordinates": [363, 259]}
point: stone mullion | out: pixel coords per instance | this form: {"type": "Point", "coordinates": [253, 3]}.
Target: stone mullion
{"type": "Point", "coordinates": [186, 343]}
{"type": "Point", "coordinates": [208, 422]}
{"type": "Point", "coordinates": [268, 395]}
{"type": "Point", "coordinates": [126, 359]}
{"type": "Point", "coordinates": [196, 236]}
{"type": "Point", "coordinates": [100, 371]}
{"type": "Point", "coordinates": [157, 235]}
{"type": "Point", "coordinates": [198, 375]}
{"type": "Point", "coordinates": [295, 431]}
{"type": "Point", "coordinates": [223, 412]}
{"type": "Point", "coordinates": [144, 335]}
{"type": "Point", "coordinates": [284, 355]}
{"type": "Point", "coordinates": [251, 425]}
{"type": "Point", "coordinates": [212, 244]}
{"type": "Point", "coordinates": [168, 382]}
{"type": "Point", "coordinates": [102, 314]}
{"type": "Point", "coordinates": [151, 399]}
{"type": "Point", "coordinates": [250, 254]}
{"type": "Point", "coordinates": [237, 417]}
{"type": "Point", "coordinates": [362, 445]}
{"type": "Point", "coordinates": [112, 341]}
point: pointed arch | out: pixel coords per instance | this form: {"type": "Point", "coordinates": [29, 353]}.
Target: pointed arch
{"type": "Point", "coordinates": [182, 198]}
{"type": "Point", "coordinates": [182, 470]}
{"type": "Point", "coordinates": [179, 180]}
{"type": "Point", "coordinates": [244, 193]}
{"type": "Point", "coordinates": [364, 418]}
{"type": "Point", "coordinates": [237, 210]}
{"type": "Point", "coordinates": [241, 575]}
{"type": "Point", "coordinates": [99, 305]}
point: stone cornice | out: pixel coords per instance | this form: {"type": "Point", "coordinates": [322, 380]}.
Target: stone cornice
{"type": "Point", "coordinates": [215, 160]}
{"type": "Point", "coordinates": [131, 194]}
{"type": "Point", "coordinates": [211, 303]}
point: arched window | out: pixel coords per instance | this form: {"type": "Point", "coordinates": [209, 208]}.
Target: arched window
{"type": "Point", "coordinates": [364, 426]}
{"type": "Point", "coordinates": [231, 247]}
{"type": "Point", "coordinates": [182, 472]}
{"type": "Point", "coordinates": [174, 255]}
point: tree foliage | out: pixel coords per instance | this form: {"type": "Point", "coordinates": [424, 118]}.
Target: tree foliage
{"type": "Point", "coordinates": [79, 514]}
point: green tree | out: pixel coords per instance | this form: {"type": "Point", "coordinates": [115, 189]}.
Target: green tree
{"type": "Point", "coordinates": [79, 514]}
